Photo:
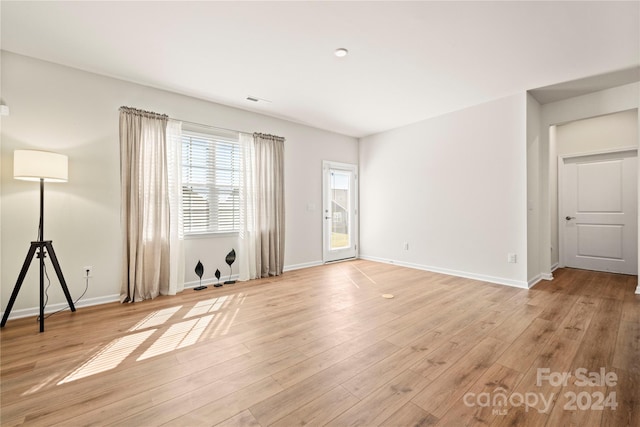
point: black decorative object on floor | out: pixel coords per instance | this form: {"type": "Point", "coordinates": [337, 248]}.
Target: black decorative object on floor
{"type": "Point", "coordinates": [200, 272]}
{"type": "Point", "coordinates": [231, 257]}
{"type": "Point", "coordinates": [217, 285]}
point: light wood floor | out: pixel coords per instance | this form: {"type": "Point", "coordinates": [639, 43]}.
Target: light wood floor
{"type": "Point", "coordinates": [321, 347]}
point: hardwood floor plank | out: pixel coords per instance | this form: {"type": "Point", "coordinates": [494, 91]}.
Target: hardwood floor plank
{"type": "Point", "coordinates": [524, 350]}
{"type": "Point", "coordinates": [413, 323]}
{"type": "Point", "coordinates": [243, 419]}
{"type": "Point", "coordinates": [321, 410]}
{"type": "Point", "coordinates": [370, 379]}
{"type": "Point", "coordinates": [566, 413]}
{"type": "Point", "coordinates": [516, 323]}
{"type": "Point", "coordinates": [410, 414]}
{"type": "Point", "coordinates": [631, 307]}
{"type": "Point", "coordinates": [449, 388]}
{"type": "Point", "coordinates": [213, 412]}
{"type": "Point", "coordinates": [342, 336]}
{"type": "Point", "coordinates": [626, 354]}
{"type": "Point", "coordinates": [285, 402]}
{"type": "Point", "coordinates": [467, 329]}
{"type": "Point", "coordinates": [555, 358]}
{"type": "Point", "coordinates": [322, 361]}
{"type": "Point", "coordinates": [556, 310]}
{"type": "Point", "coordinates": [448, 353]}
{"type": "Point", "coordinates": [577, 320]}
{"type": "Point", "coordinates": [382, 403]}
{"type": "Point", "coordinates": [627, 412]}
{"type": "Point", "coordinates": [476, 410]}
{"type": "Point", "coordinates": [598, 344]}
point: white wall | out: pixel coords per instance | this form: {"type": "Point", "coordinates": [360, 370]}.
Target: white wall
{"type": "Point", "coordinates": [596, 134]}
{"type": "Point", "coordinates": [76, 113]}
{"type": "Point", "coordinates": [596, 104]}
{"type": "Point", "coordinates": [454, 188]}
{"type": "Point", "coordinates": [534, 113]}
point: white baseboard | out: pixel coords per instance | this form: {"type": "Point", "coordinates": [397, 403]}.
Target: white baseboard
{"type": "Point", "coordinates": [554, 267]}
{"type": "Point", "coordinates": [534, 281]}
{"type": "Point", "coordinates": [301, 266]}
{"type": "Point", "coordinates": [540, 277]}
{"type": "Point", "coordinates": [457, 273]}
{"type": "Point", "coordinates": [209, 281]}
{"type": "Point", "coordinates": [223, 278]}
{"type": "Point", "coordinates": [638, 287]}
{"type": "Point", "coordinates": [35, 311]}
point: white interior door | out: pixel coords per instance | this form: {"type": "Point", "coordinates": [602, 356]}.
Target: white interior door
{"type": "Point", "coordinates": [340, 211]}
{"type": "Point", "coordinates": [598, 214]}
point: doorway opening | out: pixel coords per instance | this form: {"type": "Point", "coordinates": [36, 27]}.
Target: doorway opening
{"type": "Point", "coordinates": [597, 215]}
{"type": "Point", "coordinates": [339, 211]}
{"type": "Point", "coordinates": [594, 192]}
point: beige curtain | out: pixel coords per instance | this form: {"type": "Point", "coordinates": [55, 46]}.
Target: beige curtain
{"type": "Point", "coordinates": [145, 204]}
{"type": "Point", "coordinates": [248, 227]}
{"type": "Point", "coordinates": [262, 206]}
{"type": "Point", "coordinates": [176, 223]}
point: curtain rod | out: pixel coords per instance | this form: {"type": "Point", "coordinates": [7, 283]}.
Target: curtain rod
{"type": "Point", "coordinates": [209, 126]}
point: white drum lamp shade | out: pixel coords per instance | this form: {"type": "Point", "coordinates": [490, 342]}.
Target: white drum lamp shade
{"type": "Point", "coordinates": [33, 165]}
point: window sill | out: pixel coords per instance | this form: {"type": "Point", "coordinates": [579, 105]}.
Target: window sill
{"type": "Point", "coordinates": [211, 235]}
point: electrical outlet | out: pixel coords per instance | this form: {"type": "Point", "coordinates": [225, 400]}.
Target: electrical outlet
{"type": "Point", "coordinates": [406, 246]}
{"type": "Point", "coordinates": [512, 258]}
{"type": "Point", "coordinates": [87, 271]}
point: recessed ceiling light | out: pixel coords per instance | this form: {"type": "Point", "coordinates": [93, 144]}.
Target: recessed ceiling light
{"type": "Point", "coordinates": [341, 52]}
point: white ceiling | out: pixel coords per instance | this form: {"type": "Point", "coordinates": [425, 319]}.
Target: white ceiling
{"type": "Point", "coordinates": [408, 60]}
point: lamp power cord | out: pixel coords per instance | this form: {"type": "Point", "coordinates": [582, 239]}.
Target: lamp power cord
{"type": "Point", "coordinates": [46, 295]}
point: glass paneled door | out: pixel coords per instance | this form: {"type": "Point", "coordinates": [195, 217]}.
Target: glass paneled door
{"type": "Point", "coordinates": [340, 198]}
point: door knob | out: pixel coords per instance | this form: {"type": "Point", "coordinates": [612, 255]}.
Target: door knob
{"type": "Point", "coordinates": [569, 218]}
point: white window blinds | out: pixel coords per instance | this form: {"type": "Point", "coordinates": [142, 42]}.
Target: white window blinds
{"type": "Point", "coordinates": [210, 183]}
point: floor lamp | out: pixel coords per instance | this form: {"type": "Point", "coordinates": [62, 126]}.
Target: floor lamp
{"type": "Point", "coordinates": [31, 165]}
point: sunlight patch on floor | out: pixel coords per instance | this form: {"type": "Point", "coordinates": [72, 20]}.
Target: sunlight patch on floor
{"type": "Point", "coordinates": [156, 318]}
{"type": "Point", "coordinates": [178, 336]}
{"type": "Point", "coordinates": [110, 356]}
{"type": "Point", "coordinates": [235, 313]}
{"type": "Point", "coordinates": [208, 306]}
{"type": "Point", "coordinates": [41, 385]}
{"type": "Point", "coordinates": [364, 274]}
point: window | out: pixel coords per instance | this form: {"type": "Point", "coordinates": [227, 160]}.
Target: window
{"type": "Point", "coordinates": [210, 183]}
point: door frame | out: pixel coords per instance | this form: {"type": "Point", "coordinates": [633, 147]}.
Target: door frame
{"type": "Point", "coordinates": [561, 162]}
{"type": "Point", "coordinates": [355, 222]}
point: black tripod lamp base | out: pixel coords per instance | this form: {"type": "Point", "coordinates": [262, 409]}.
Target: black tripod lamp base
{"type": "Point", "coordinates": [38, 249]}
{"type": "Point", "coordinates": [199, 288]}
